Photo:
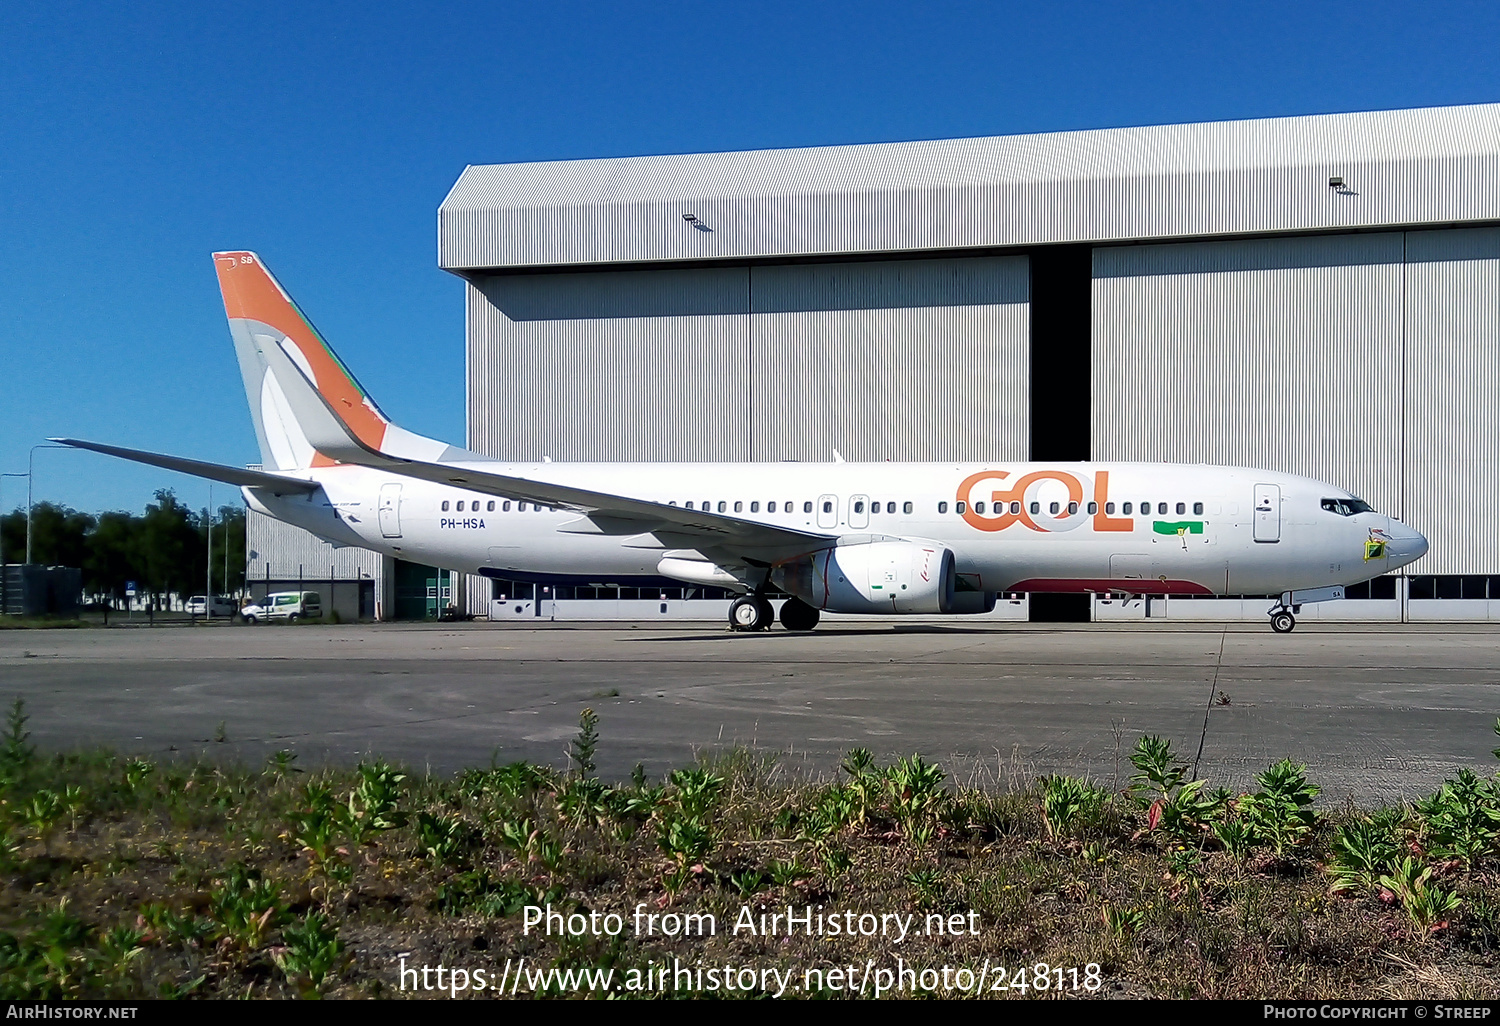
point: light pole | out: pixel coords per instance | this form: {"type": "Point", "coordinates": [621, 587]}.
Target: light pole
{"type": "Point", "coordinates": [30, 476]}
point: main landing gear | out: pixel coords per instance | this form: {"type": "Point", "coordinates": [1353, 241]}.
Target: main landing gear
{"type": "Point", "coordinates": [751, 613]}
{"type": "Point", "coordinates": [1282, 620]}
{"type": "Point", "coordinates": [754, 613]}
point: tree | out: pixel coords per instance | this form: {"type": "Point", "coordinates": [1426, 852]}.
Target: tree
{"type": "Point", "coordinates": [57, 535]}
{"type": "Point", "coordinates": [169, 550]}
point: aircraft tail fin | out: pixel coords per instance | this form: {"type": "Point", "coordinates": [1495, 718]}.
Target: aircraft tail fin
{"type": "Point", "coordinates": [263, 316]}
{"type": "Point", "coordinates": [308, 408]}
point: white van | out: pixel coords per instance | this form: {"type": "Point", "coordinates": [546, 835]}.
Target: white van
{"type": "Point", "coordinates": [219, 605]}
{"type": "Point", "coordinates": [290, 606]}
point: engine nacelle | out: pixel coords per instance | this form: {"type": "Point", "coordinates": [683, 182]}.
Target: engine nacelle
{"type": "Point", "coordinates": [874, 577]}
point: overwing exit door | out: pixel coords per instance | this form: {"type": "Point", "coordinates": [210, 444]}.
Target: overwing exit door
{"type": "Point", "coordinates": [1267, 513]}
{"type": "Point", "coordinates": [390, 510]}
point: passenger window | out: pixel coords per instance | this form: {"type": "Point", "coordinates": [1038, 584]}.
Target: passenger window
{"type": "Point", "coordinates": [672, 502]}
{"type": "Point", "coordinates": [688, 504]}
{"type": "Point", "coordinates": [445, 505]}
{"type": "Point", "coordinates": [707, 505]}
{"type": "Point", "coordinates": [505, 506]}
{"type": "Point", "coordinates": [460, 506]}
{"type": "Point", "coordinates": [958, 507]}
{"type": "Point", "coordinates": [1093, 508]}
{"type": "Point", "coordinates": [874, 507]}
{"type": "Point", "coordinates": [906, 507]}
{"type": "Point", "coordinates": [1181, 508]}
{"type": "Point", "coordinates": [1072, 508]}
{"type": "Point", "coordinates": [1161, 508]}
{"type": "Point", "coordinates": [1036, 507]}
{"type": "Point", "coordinates": [827, 506]}
{"type": "Point", "coordinates": [859, 507]}
{"type": "Point", "coordinates": [754, 507]}
{"type": "Point", "coordinates": [1197, 509]}
{"type": "Point", "coordinates": [739, 506]}
{"type": "Point", "coordinates": [890, 507]}
{"type": "Point", "coordinates": [1127, 510]}
{"type": "Point", "coordinates": [723, 506]}
{"type": "Point", "coordinates": [978, 507]}
{"type": "Point", "coordinates": [1109, 508]}
{"type": "Point", "coordinates": [942, 507]}
{"type": "Point", "coordinates": [1015, 507]}
{"type": "Point", "coordinates": [770, 507]}
{"type": "Point", "coordinates": [1052, 509]}
{"type": "Point", "coordinates": [807, 507]}
{"type": "Point", "coordinates": [489, 507]}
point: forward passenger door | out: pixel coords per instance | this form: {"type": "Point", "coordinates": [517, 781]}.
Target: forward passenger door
{"type": "Point", "coordinates": [1267, 513]}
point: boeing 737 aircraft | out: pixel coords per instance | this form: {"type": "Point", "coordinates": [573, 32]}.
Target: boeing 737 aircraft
{"type": "Point", "coordinates": [897, 538]}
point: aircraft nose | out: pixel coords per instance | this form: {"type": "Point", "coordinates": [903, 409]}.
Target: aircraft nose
{"type": "Point", "coordinates": [1406, 545]}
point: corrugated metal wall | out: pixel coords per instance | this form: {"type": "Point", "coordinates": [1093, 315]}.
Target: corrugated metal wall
{"type": "Point", "coordinates": [281, 551]}
{"type": "Point", "coordinates": [631, 366]}
{"type": "Point", "coordinates": [1369, 361]}
{"type": "Point", "coordinates": [899, 360]}
{"type": "Point", "coordinates": [1284, 354]}
{"type": "Point", "coordinates": [1407, 167]}
{"type": "Point", "coordinates": [1453, 394]}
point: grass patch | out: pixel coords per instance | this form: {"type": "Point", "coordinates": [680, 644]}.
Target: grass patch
{"type": "Point", "coordinates": [127, 878]}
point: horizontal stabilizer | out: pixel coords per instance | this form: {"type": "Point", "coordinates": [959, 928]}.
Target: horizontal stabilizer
{"type": "Point", "coordinates": [212, 471]}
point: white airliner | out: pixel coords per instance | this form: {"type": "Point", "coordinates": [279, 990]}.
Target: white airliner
{"type": "Point", "coordinates": [898, 538]}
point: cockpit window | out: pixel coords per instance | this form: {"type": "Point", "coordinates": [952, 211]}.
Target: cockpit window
{"type": "Point", "coordinates": [1347, 507]}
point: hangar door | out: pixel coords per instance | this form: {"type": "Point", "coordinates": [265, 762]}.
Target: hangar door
{"type": "Point", "coordinates": [1453, 390]}
{"type": "Point", "coordinates": [610, 365]}
{"type": "Point", "coordinates": [1284, 354]}
{"type": "Point", "coordinates": [891, 359]}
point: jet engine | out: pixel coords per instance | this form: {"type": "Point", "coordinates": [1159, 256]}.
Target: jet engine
{"type": "Point", "coordinates": [874, 577]}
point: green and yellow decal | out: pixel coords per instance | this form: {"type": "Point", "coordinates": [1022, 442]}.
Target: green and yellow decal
{"type": "Point", "coordinates": [1178, 527]}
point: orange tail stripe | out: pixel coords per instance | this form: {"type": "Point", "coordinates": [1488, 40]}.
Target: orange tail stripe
{"type": "Point", "coordinates": [250, 293]}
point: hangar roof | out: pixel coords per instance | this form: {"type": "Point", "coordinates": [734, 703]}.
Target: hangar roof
{"type": "Point", "coordinates": [1403, 167]}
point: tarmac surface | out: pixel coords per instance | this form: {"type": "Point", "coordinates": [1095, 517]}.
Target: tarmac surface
{"type": "Point", "coordinates": [1377, 713]}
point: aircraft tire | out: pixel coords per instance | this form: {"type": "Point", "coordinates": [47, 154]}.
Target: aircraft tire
{"type": "Point", "coordinates": [749, 613]}
{"type": "Point", "coordinates": [1282, 621]}
{"type": "Point", "coordinates": [797, 615]}
{"type": "Point", "coordinates": [767, 613]}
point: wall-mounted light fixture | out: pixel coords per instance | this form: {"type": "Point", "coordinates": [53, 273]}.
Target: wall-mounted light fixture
{"type": "Point", "coordinates": [1336, 182]}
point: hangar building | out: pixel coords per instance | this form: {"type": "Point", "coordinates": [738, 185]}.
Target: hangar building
{"type": "Point", "coordinates": [1317, 295]}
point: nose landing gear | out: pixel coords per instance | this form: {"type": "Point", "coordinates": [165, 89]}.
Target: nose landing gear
{"type": "Point", "coordinates": [1282, 620]}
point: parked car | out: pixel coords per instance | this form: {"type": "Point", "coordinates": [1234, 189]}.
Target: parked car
{"type": "Point", "coordinates": [284, 605]}
{"type": "Point", "coordinates": [219, 605]}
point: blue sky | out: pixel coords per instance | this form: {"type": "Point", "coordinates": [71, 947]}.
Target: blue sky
{"type": "Point", "coordinates": [137, 138]}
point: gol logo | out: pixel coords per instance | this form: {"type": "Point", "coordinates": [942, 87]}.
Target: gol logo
{"type": "Point", "coordinates": [1012, 505]}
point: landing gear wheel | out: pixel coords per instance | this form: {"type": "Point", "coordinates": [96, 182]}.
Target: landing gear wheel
{"type": "Point", "coordinates": [797, 615]}
{"type": "Point", "coordinates": [767, 613]}
{"type": "Point", "coordinates": [1282, 621]}
{"type": "Point", "coordinates": [749, 613]}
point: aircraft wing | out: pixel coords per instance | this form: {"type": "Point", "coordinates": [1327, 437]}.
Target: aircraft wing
{"type": "Point", "coordinates": [610, 514]}
{"type": "Point", "coordinates": [213, 471]}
